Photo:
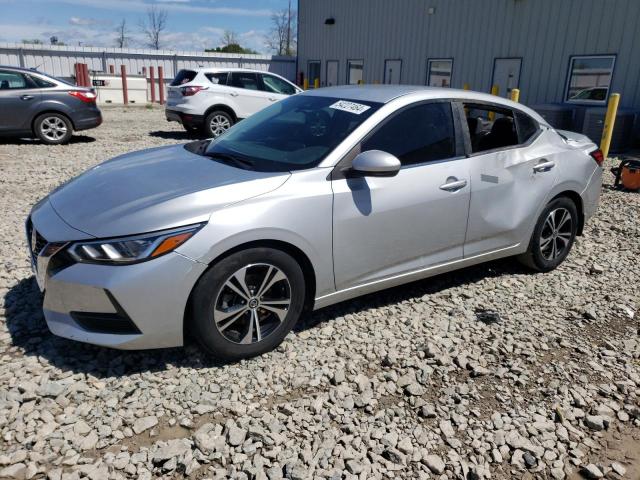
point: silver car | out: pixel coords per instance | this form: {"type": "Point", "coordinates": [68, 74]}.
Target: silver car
{"type": "Point", "coordinates": [319, 198]}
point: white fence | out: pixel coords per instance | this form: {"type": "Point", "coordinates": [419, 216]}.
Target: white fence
{"type": "Point", "coordinates": [59, 61]}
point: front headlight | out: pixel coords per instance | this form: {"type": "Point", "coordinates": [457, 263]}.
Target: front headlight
{"type": "Point", "coordinates": [132, 249]}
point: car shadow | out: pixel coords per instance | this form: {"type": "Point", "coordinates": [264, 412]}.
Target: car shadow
{"type": "Point", "coordinates": [30, 334]}
{"type": "Point", "coordinates": [176, 135]}
{"type": "Point", "coordinates": [75, 139]}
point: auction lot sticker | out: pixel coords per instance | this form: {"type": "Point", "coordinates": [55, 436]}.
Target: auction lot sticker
{"type": "Point", "coordinates": [350, 107]}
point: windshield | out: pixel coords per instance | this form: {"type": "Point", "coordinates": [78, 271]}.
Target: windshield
{"type": "Point", "coordinates": [293, 134]}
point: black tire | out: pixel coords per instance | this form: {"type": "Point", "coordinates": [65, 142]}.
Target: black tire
{"type": "Point", "coordinates": [216, 123]}
{"type": "Point", "coordinates": [212, 291]}
{"type": "Point", "coordinates": [540, 256]}
{"type": "Point", "coordinates": [53, 128]}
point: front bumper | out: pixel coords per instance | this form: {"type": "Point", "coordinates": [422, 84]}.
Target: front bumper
{"type": "Point", "coordinates": [135, 306]}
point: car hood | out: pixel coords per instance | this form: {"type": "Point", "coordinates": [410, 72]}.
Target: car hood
{"type": "Point", "coordinates": [155, 189]}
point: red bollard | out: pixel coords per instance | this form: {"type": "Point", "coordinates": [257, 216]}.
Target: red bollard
{"type": "Point", "coordinates": [125, 92]}
{"type": "Point", "coordinates": [161, 84]}
{"type": "Point", "coordinates": [152, 83]}
{"type": "Point", "coordinates": [112, 69]}
{"type": "Point", "coordinates": [87, 80]}
{"type": "Point", "coordinates": [76, 70]}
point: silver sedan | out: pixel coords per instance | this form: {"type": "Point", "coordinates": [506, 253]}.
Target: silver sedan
{"type": "Point", "coordinates": [319, 198]}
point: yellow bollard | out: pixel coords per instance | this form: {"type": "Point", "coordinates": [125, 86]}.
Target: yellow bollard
{"type": "Point", "coordinates": [495, 90]}
{"type": "Point", "coordinates": [360, 82]}
{"type": "Point", "coordinates": [316, 83]}
{"type": "Point", "coordinates": [609, 122]}
{"type": "Point", "coordinates": [466, 86]}
{"type": "Point", "coordinates": [305, 84]}
{"type": "Point", "coordinates": [515, 95]}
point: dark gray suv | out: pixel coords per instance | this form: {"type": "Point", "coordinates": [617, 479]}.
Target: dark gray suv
{"type": "Point", "coordinates": [35, 104]}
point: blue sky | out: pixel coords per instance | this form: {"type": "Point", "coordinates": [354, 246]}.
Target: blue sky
{"type": "Point", "coordinates": [192, 24]}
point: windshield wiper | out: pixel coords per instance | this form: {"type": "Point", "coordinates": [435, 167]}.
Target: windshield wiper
{"type": "Point", "coordinates": [231, 159]}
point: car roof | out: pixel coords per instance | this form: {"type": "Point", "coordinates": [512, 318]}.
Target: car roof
{"type": "Point", "coordinates": [21, 69]}
{"type": "Point", "coordinates": [226, 69]}
{"type": "Point", "coordinates": [388, 93]}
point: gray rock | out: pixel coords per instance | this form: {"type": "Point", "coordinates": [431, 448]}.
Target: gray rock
{"type": "Point", "coordinates": [434, 463]}
{"type": "Point", "coordinates": [171, 450]}
{"type": "Point", "coordinates": [235, 435]}
{"type": "Point", "coordinates": [592, 471]}
{"type": "Point", "coordinates": [144, 423]}
{"type": "Point", "coordinates": [17, 471]}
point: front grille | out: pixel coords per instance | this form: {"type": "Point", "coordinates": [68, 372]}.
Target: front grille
{"type": "Point", "coordinates": [35, 246]}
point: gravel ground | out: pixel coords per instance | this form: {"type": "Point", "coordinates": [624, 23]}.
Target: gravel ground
{"type": "Point", "coordinates": [407, 383]}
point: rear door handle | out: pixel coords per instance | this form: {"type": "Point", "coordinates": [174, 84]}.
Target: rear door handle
{"type": "Point", "coordinates": [454, 185]}
{"type": "Point", "coordinates": [544, 166]}
{"type": "Point", "coordinates": [26, 97]}
{"type": "Point", "coordinates": [233, 94]}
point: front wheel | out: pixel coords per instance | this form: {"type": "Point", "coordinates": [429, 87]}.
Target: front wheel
{"type": "Point", "coordinates": [247, 303]}
{"type": "Point", "coordinates": [217, 123]}
{"type": "Point", "coordinates": [553, 235]}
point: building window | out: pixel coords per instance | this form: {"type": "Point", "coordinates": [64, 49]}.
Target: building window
{"type": "Point", "coordinates": [589, 78]}
{"type": "Point", "coordinates": [439, 72]}
{"type": "Point", "coordinates": [313, 72]}
{"type": "Point", "coordinates": [354, 71]}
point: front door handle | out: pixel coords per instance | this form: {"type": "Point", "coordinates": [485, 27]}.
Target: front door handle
{"type": "Point", "coordinates": [233, 94]}
{"type": "Point", "coordinates": [453, 184]}
{"type": "Point", "coordinates": [544, 166]}
{"type": "Point", "coordinates": [26, 97]}
{"type": "Point", "coordinates": [271, 99]}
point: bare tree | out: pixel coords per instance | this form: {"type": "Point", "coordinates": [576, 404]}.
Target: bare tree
{"type": "Point", "coordinates": [229, 38]}
{"type": "Point", "coordinates": [122, 34]}
{"type": "Point", "coordinates": [154, 25]}
{"type": "Point", "coordinates": [282, 36]}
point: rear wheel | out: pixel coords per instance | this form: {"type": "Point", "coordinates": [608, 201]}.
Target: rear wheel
{"type": "Point", "coordinates": [247, 303]}
{"type": "Point", "coordinates": [217, 123]}
{"type": "Point", "coordinates": [553, 235]}
{"type": "Point", "coordinates": [53, 128]}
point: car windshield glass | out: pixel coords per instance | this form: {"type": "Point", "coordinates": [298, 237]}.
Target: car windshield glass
{"type": "Point", "coordinates": [293, 134]}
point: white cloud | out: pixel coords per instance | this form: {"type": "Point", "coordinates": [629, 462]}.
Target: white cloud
{"type": "Point", "coordinates": [87, 21]}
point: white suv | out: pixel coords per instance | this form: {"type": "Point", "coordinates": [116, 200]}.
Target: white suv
{"type": "Point", "coordinates": [213, 99]}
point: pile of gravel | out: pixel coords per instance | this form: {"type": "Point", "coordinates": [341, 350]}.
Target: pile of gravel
{"type": "Point", "coordinates": [407, 383]}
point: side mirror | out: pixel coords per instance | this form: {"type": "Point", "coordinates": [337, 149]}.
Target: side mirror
{"type": "Point", "coordinates": [375, 163]}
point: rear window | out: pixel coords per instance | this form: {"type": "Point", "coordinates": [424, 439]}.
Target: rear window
{"type": "Point", "coordinates": [219, 78]}
{"type": "Point", "coordinates": [184, 76]}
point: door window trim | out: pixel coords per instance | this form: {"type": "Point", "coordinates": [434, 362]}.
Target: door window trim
{"type": "Point", "coordinates": [495, 107]}
{"type": "Point", "coordinates": [493, 72]}
{"type": "Point", "coordinates": [430, 60]}
{"type": "Point", "coordinates": [460, 151]}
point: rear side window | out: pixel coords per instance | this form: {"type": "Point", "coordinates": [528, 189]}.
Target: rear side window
{"type": "Point", "coordinates": [247, 80]}
{"type": "Point", "coordinates": [41, 82]}
{"type": "Point", "coordinates": [490, 127]}
{"type": "Point", "coordinates": [219, 78]}
{"type": "Point", "coordinates": [277, 85]}
{"type": "Point", "coordinates": [419, 134]}
{"type": "Point", "coordinates": [527, 126]}
{"type": "Point", "coordinates": [13, 80]}
{"type": "Point", "coordinates": [184, 76]}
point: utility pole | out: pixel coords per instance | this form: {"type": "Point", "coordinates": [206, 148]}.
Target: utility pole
{"type": "Point", "coordinates": [288, 50]}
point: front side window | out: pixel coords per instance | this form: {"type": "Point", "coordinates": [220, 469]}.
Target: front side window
{"type": "Point", "coordinates": [277, 85]}
{"type": "Point", "coordinates": [246, 80]}
{"type": "Point", "coordinates": [439, 72]}
{"type": "Point", "coordinates": [219, 78]}
{"type": "Point", "coordinates": [418, 134]}
{"type": "Point", "coordinates": [490, 127]}
{"type": "Point", "coordinates": [13, 80]}
{"type": "Point", "coordinates": [354, 71]}
{"type": "Point", "coordinates": [590, 79]}
{"type": "Point", "coordinates": [293, 134]}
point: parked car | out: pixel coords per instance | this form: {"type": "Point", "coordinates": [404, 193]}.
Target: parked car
{"type": "Point", "coordinates": [213, 99]}
{"type": "Point", "coordinates": [33, 104]}
{"type": "Point", "coordinates": [322, 197]}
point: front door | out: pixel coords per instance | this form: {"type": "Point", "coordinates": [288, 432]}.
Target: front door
{"type": "Point", "coordinates": [386, 226]}
{"type": "Point", "coordinates": [19, 99]}
{"type": "Point", "coordinates": [332, 73]}
{"type": "Point", "coordinates": [506, 75]}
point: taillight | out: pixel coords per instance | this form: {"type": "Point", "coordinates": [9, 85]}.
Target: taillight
{"type": "Point", "coordinates": [87, 97]}
{"type": "Point", "coordinates": [598, 156]}
{"type": "Point", "coordinates": [189, 91]}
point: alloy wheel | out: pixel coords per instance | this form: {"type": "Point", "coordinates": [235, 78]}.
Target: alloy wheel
{"type": "Point", "coordinates": [53, 128]}
{"type": "Point", "coordinates": [556, 233]}
{"type": "Point", "coordinates": [252, 303]}
{"type": "Point", "coordinates": [219, 124]}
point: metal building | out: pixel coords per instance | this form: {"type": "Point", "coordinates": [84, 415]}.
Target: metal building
{"type": "Point", "coordinates": [565, 56]}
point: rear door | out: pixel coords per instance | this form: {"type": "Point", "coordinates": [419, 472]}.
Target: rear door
{"type": "Point", "coordinates": [387, 226]}
{"type": "Point", "coordinates": [19, 99]}
{"type": "Point", "coordinates": [247, 93]}
{"type": "Point", "coordinates": [512, 171]}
